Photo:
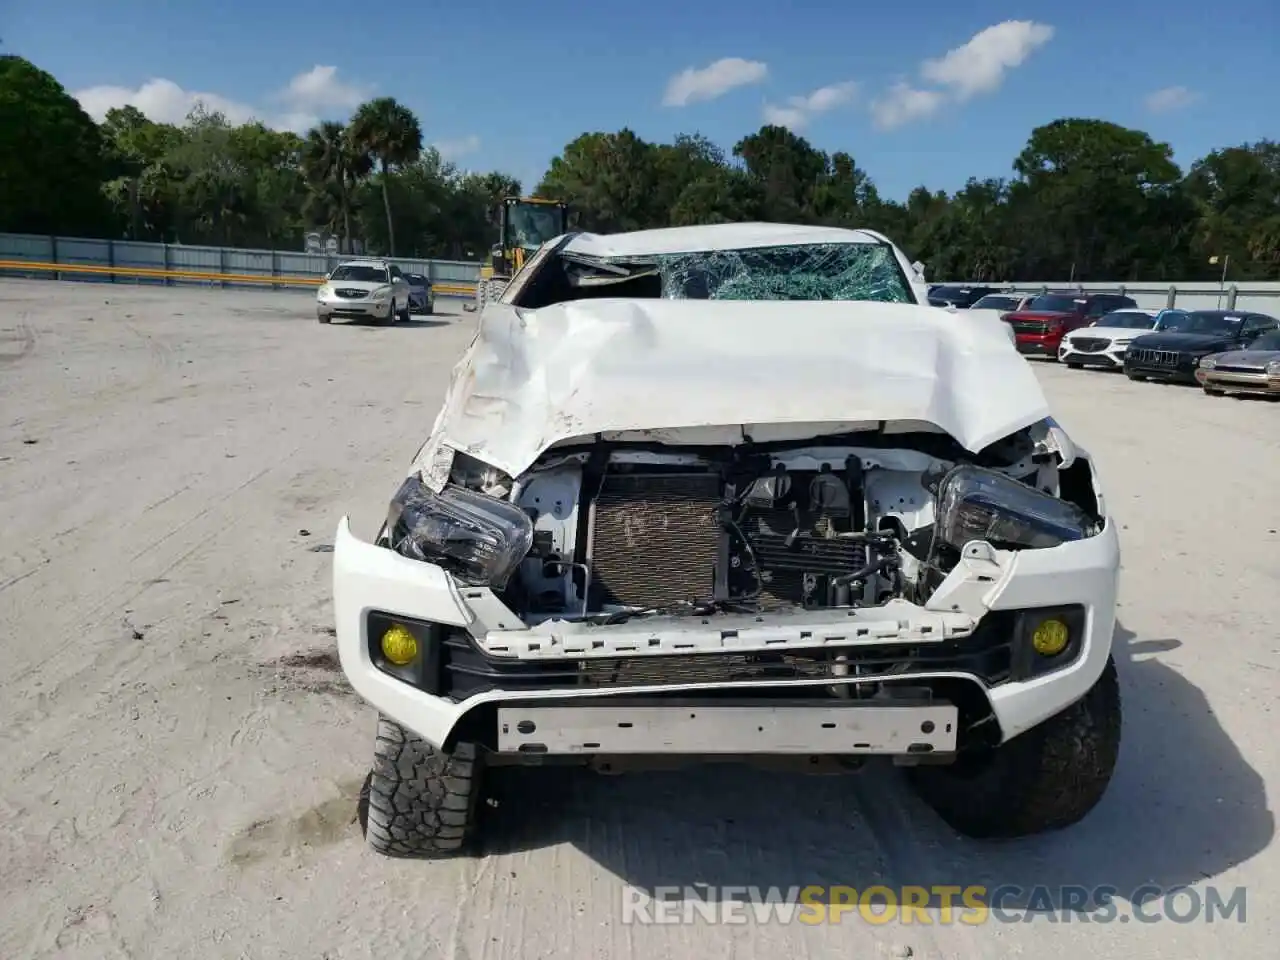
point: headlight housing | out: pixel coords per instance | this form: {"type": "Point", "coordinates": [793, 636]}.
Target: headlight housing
{"type": "Point", "coordinates": [477, 538]}
{"type": "Point", "coordinates": [324, 291]}
{"type": "Point", "coordinates": [381, 293]}
{"type": "Point", "coordinates": [1208, 363]}
{"type": "Point", "coordinates": [1273, 368]}
{"type": "Point", "coordinates": [974, 503]}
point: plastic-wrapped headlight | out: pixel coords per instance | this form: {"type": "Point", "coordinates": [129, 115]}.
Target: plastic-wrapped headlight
{"type": "Point", "coordinates": [479, 539]}
{"type": "Point", "coordinates": [974, 503]}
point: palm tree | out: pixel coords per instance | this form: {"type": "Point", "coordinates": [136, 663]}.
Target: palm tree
{"type": "Point", "coordinates": [333, 164]}
{"type": "Point", "coordinates": [389, 132]}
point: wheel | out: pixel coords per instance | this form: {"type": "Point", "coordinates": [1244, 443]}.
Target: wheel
{"type": "Point", "coordinates": [1045, 779]}
{"type": "Point", "coordinates": [1134, 376]}
{"type": "Point", "coordinates": [1074, 366]}
{"type": "Point", "coordinates": [419, 803]}
{"type": "Point", "coordinates": [323, 317]}
{"type": "Point", "coordinates": [405, 315]}
{"type": "Point", "coordinates": [430, 307]}
{"type": "Point", "coordinates": [1210, 391]}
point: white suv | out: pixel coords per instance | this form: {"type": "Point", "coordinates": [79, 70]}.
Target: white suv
{"type": "Point", "coordinates": [363, 290]}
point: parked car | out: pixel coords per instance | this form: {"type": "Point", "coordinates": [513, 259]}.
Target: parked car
{"type": "Point", "coordinates": [615, 544]}
{"type": "Point", "coordinates": [1175, 350]}
{"type": "Point", "coordinates": [1104, 341]}
{"type": "Point", "coordinates": [422, 295]}
{"type": "Point", "coordinates": [1003, 302]}
{"type": "Point", "coordinates": [961, 297]}
{"type": "Point", "coordinates": [1040, 326]}
{"type": "Point", "coordinates": [1255, 369]}
{"type": "Point", "coordinates": [364, 290]}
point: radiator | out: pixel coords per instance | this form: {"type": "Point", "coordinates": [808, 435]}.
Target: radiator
{"type": "Point", "coordinates": [654, 538]}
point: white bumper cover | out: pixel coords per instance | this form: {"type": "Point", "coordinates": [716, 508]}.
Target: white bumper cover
{"type": "Point", "coordinates": [369, 578]}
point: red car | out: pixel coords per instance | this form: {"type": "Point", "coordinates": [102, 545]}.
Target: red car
{"type": "Point", "coordinates": [1039, 327]}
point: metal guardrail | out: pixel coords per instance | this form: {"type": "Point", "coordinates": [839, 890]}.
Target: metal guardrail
{"type": "Point", "coordinates": [151, 273]}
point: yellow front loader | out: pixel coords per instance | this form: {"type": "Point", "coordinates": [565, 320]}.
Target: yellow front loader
{"type": "Point", "coordinates": [524, 224]}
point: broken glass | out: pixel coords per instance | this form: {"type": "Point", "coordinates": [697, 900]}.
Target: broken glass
{"type": "Point", "coordinates": [827, 271]}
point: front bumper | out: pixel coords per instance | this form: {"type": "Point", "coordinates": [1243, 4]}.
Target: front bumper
{"type": "Point", "coordinates": [1038, 345]}
{"type": "Point", "coordinates": [1108, 358]}
{"type": "Point", "coordinates": [1236, 381]}
{"type": "Point", "coordinates": [354, 309]}
{"type": "Point", "coordinates": [1162, 365]}
{"type": "Point", "coordinates": [499, 665]}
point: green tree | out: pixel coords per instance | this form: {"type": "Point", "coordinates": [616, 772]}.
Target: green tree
{"type": "Point", "coordinates": [787, 168]}
{"type": "Point", "coordinates": [1090, 185]}
{"type": "Point", "coordinates": [332, 165]}
{"type": "Point", "coordinates": [1235, 193]}
{"type": "Point", "coordinates": [52, 164]}
{"type": "Point", "coordinates": [389, 132]}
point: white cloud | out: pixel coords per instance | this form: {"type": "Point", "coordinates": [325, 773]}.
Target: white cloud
{"type": "Point", "coordinates": [798, 110]}
{"type": "Point", "coordinates": [976, 67]}
{"type": "Point", "coordinates": [690, 85]}
{"type": "Point", "coordinates": [453, 149]}
{"type": "Point", "coordinates": [162, 101]}
{"type": "Point", "coordinates": [315, 94]}
{"type": "Point", "coordinates": [902, 104]}
{"type": "Point", "coordinates": [1168, 99]}
{"type": "Point", "coordinates": [979, 66]}
{"type": "Point", "coordinates": [320, 89]}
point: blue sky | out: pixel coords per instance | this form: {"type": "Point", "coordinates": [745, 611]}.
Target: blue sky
{"type": "Point", "coordinates": [919, 92]}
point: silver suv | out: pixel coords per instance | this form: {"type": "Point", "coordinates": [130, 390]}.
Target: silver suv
{"type": "Point", "coordinates": [364, 290]}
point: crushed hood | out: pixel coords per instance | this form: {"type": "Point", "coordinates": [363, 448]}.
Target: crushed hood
{"type": "Point", "coordinates": [768, 370]}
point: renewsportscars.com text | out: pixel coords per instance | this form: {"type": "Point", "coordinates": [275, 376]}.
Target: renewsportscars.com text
{"type": "Point", "coordinates": [939, 904]}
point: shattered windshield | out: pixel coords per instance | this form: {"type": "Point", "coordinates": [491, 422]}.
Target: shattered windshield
{"type": "Point", "coordinates": [820, 271]}
{"type": "Point", "coordinates": [1213, 324]}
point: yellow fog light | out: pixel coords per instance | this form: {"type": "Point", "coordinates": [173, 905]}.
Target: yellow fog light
{"type": "Point", "coordinates": [1050, 638]}
{"type": "Point", "coordinates": [399, 645]}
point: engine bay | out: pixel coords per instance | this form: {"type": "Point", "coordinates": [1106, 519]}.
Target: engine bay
{"type": "Point", "coordinates": [621, 531]}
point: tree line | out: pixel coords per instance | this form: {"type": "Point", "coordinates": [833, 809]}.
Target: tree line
{"type": "Point", "coordinates": [1087, 199]}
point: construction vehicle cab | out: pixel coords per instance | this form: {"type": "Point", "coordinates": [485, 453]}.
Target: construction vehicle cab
{"type": "Point", "coordinates": [524, 224]}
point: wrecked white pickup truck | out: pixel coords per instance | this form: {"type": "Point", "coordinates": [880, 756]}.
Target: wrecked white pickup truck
{"type": "Point", "coordinates": [676, 508]}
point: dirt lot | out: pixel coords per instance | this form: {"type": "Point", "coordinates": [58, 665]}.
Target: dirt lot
{"type": "Point", "coordinates": [180, 756]}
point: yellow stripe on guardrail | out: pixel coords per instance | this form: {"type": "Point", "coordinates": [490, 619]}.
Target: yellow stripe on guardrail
{"type": "Point", "coordinates": [462, 289]}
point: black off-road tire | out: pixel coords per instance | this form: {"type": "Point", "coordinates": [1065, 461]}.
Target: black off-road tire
{"type": "Point", "coordinates": [417, 802]}
{"type": "Point", "coordinates": [1045, 779]}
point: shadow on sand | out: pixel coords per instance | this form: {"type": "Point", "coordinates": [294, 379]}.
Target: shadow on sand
{"type": "Point", "coordinates": [1184, 806]}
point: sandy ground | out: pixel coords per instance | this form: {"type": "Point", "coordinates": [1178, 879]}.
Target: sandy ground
{"type": "Point", "coordinates": [180, 757]}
